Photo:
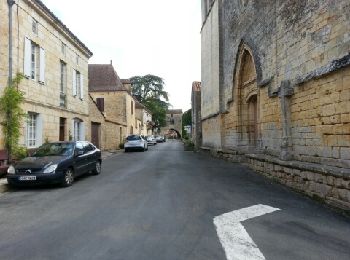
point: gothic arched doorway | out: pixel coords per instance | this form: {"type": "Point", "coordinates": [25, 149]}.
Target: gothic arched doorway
{"type": "Point", "coordinates": [247, 99]}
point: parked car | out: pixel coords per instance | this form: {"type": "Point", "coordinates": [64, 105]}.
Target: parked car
{"type": "Point", "coordinates": [159, 139]}
{"type": "Point", "coordinates": [57, 162]}
{"type": "Point", "coordinates": [135, 142]}
{"type": "Point", "coordinates": [151, 140]}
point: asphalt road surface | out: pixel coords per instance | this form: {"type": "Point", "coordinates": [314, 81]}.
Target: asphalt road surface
{"type": "Point", "coordinates": [161, 204]}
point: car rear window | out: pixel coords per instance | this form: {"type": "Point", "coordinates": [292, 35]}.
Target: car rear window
{"type": "Point", "coordinates": [133, 138]}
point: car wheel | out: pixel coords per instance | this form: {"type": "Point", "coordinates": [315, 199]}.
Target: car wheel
{"type": "Point", "coordinates": [68, 178]}
{"type": "Point", "coordinates": [97, 169]}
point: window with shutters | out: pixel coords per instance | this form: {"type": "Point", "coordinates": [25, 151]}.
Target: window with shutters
{"type": "Point", "coordinates": [34, 61]}
{"type": "Point", "coordinates": [100, 104]}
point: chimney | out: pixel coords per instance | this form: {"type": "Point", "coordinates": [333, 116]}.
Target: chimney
{"type": "Point", "coordinates": [111, 62]}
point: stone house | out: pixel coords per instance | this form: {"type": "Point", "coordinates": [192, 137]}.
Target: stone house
{"type": "Point", "coordinates": [276, 90]}
{"type": "Point", "coordinates": [55, 65]}
{"type": "Point", "coordinates": [114, 101]}
{"type": "Point", "coordinates": [144, 117]}
{"type": "Point", "coordinates": [173, 123]}
{"type": "Point", "coordinates": [105, 134]}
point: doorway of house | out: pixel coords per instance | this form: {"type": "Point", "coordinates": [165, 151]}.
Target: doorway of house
{"type": "Point", "coordinates": [62, 136]}
{"type": "Point", "coordinates": [95, 134]}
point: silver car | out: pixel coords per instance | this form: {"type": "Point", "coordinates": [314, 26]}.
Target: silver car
{"type": "Point", "coordinates": [135, 142]}
{"type": "Point", "coordinates": [151, 140]}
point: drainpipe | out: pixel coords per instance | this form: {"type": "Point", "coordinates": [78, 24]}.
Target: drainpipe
{"type": "Point", "coordinates": [10, 4]}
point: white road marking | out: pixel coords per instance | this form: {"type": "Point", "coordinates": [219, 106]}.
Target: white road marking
{"type": "Point", "coordinates": [235, 240]}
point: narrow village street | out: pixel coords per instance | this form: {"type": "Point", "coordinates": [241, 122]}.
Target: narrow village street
{"type": "Point", "coordinates": [161, 204]}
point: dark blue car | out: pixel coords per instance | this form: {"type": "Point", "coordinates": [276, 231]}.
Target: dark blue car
{"type": "Point", "coordinates": [58, 162]}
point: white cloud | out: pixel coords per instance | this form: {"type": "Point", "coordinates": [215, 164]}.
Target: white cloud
{"type": "Point", "coordinates": [160, 37]}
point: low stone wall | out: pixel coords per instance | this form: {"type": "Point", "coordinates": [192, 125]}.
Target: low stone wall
{"type": "Point", "coordinates": [326, 183]}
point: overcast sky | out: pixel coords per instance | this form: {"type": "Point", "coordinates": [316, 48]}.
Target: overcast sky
{"type": "Point", "coordinates": [160, 37]}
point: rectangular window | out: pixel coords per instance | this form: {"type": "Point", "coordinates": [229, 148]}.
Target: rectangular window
{"type": "Point", "coordinates": [33, 59]}
{"type": "Point", "coordinates": [63, 84]}
{"type": "Point", "coordinates": [32, 130]}
{"type": "Point", "coordinates": [63, 79]}
{"type": "Point", "coordinates": [132, 107]}
{"type": "Point", "coordinates": [78, 83]}
{"type": "Point", "coordinates": [35, 26]}
{"type": "Point", "coordinates": [100, 102]}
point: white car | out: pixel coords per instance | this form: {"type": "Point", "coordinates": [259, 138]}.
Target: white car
{"type": "Point", "coordinates": [151, 140]}
{"type": "Point", "coordinates": [135, 142]}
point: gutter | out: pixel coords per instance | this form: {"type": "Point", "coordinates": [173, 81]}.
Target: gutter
{"type": "Point", "coordinates": [10, 3]}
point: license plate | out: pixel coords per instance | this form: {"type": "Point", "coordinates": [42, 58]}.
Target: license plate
{"type": "Point", "coordinates": [27, 178]}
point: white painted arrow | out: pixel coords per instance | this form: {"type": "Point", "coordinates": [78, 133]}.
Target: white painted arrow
{"type": "Point", "coordinates": [235, 240]}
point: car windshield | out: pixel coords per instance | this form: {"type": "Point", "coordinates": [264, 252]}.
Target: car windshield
{"type": "Point", "coordinates": [54, 149]}
{"type": "Point", "coordinates": [133, 138]}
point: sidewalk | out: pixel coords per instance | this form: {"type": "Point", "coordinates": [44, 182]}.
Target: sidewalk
{"type": "Point", "coordinates": [105, 155]}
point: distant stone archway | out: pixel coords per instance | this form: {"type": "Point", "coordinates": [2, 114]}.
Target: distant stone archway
{"type": "Point", "coordinates": [172, 130]}
{"type": "Point", "coordinates": [247, 98]}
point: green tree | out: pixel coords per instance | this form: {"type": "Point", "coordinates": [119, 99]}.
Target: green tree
{"type": "Point", "coordinates": [148, 87]}
{"type": "Point", "coordinates": [186, 120]}
{"type": "Point", "coordinates": [149, 90]}
{"type": "Point", "coordinates": [12, 115]}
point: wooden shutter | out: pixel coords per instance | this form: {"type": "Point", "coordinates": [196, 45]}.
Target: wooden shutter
{"type": "Point", "coordinates": [72, 131]}
{"type": "Point", "coordinates": [81, 131]}
{"type": "Point", "coordinates": [100, 104]}
{"type": "Point", "coordinates": [39, 130]}
{"type": "Point", "coordinates": [42, 66]}
{"type": "Point", "coordinates": [27, 57]}
{"type": "Point", "coordinates": [74, 83]}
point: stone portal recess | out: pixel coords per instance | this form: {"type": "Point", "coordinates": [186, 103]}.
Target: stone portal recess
{"type": "Point", "coordinates": [248, 100]}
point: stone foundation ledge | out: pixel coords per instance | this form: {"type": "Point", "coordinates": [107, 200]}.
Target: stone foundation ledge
{"type": "Point", "coordinates": [327, 183]}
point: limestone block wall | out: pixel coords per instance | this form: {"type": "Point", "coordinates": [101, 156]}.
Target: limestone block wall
{"type": "Point", "coordinates": [211, 133]}
{"type": "Point", "coordinates": [210, 64]}
{"type": "Point", "coordinates": [130, 114]}
{"type": "Point", "coordinates": [114, 105]}
{"type": "Point", "coordinates": [320, 115]}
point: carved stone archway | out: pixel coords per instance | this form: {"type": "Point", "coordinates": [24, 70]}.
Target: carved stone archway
{"type": "Point", "coordinates": [247, 96]}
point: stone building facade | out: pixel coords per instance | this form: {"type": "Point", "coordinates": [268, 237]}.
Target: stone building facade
{"type": "Point", "coordinates": [114, 101]}
{"type": "Point", "coordinates": [55, 65]}
{"type": "Point", "coordinates": [173, 123]}
{"type": "Point", "coordinates": [276, 90]}
{"type": "Point", "coordinates": [144, 117]}
{"type": "Point", "coordinates": [196, 114]}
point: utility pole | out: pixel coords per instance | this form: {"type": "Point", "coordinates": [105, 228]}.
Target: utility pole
{"type": "Point", "coordinates": [10, 4]}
